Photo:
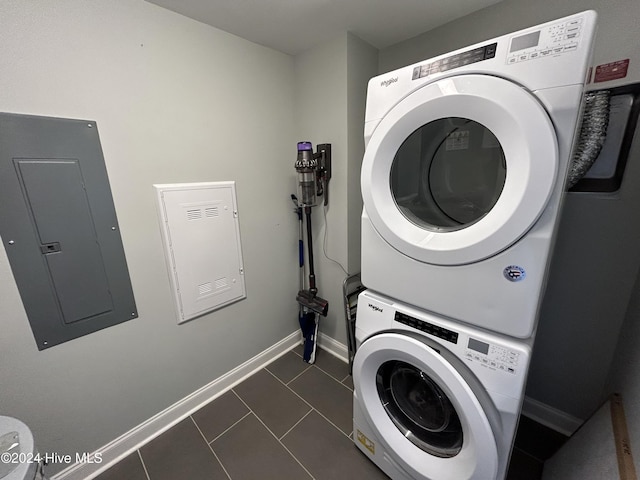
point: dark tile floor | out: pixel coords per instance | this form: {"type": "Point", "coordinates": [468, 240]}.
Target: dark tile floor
{"type": "Point", "coordinates": [289, 420]}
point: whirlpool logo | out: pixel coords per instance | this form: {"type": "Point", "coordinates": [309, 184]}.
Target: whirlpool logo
{"type": "Point", "coordinates": [386, 83]}
{"type": "Point", "coordinates": [514, 273]}
{"type": "Point", "coordinates": [375, 308]}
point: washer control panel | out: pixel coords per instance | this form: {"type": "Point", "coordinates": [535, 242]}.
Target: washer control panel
{"type": "Point", "coordinates": [556, 39]}
{"type": "Point", "coordinates": [492, 356]}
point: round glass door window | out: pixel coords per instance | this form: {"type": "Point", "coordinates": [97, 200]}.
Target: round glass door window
{"type": "Point", "coordinates": [419, 408]}
{"type": "Point", "coordinates": [448, 174]}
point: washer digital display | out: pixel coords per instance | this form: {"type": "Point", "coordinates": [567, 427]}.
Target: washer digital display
{"type": "Point", "coordinates": [478, 346]}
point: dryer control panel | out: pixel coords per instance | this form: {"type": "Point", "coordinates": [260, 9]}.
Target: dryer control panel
{"type": "Point", "coordinates": [492, 356]}
{"type": "Point", "coordinates": [558, 38]}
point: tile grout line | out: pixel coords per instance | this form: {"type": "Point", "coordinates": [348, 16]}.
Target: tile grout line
{"type": "Point", "coordinates": [290, 389]}
{"type": "Point", "coordinates": [297, 423]}
{"type": "Point", "coordinates": [230, 427]}
{"type": "Point", "coordinates": [312, 407]}
{"type": "Point", "coordinates": [306, 368]}
{"type": "Point", "coordinates": [210, 448]}
{"type": "Point", "coordinates": [332, 377]}
{"type": "Point", "coordinates": [277, 439]}
{"type": "Point", "coordinates": [144, 467]}
{"type": "Point", "coordinates": [314, 364]}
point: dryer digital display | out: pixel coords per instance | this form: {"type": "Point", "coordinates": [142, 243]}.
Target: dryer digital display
{"type": "Point", "coordinates": [525, 41]}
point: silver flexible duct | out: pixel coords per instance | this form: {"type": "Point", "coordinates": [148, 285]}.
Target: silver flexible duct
{"type": "Point", "coordinates": [592, 135]}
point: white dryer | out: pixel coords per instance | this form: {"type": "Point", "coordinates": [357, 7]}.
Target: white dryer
{"type": "Point", "coordinates": [464, 170]}
{"type": "Point", "coordinates": [433, 399]}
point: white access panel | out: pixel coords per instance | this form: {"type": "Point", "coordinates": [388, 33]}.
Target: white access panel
{"type": "Point", "coordinates": [201, 237]}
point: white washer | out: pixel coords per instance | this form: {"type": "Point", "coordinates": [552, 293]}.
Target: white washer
{"type": "Point", "coordinates": [433, 399]}
{"type": "Point", "coordinates": [464, 169]}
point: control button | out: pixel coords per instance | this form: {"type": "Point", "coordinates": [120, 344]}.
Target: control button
{"type": "Point", "coordinates": [524, 57]}
{"type": "Point", "coordinates": [569, 36]}
{"type": "Point", "coordinates": [511, 370]}
{"type": "Point", "coordinates": [534, 55]}
{"type": "Point", "coordinates": [570, 48]}
{"type": "Point", "coordinates": [544, 53]}
{"type": "Point", "coordinates": [490, 51]}
{"type": "Point", "coordinates": [511, 60]}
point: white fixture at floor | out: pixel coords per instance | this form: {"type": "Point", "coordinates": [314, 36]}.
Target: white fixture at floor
{"type": "Point", "coordinates": [18, 454]}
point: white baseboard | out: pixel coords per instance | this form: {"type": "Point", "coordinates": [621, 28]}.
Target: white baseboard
{"type": "Point", "coordinates": [334, 347]}
{"type": "Point", "coordinates": [550, 417]}
{"type": "Point", "coordinates": [122, 446]}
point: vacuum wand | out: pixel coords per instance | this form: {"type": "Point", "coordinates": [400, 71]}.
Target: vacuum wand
{"type": "Point", "coordinates": [312, 275]}
{"type": "Point", "coordinates": [309, 298]}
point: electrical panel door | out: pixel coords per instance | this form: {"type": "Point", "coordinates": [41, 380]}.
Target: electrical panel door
{"type": "Point", "coordinates": [59, 228]}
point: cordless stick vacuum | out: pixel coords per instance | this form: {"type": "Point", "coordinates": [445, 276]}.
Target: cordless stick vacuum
{"type": "Point", "coordinates": [314, 172]}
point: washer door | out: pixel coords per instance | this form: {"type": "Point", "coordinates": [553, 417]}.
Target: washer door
{"type": "Point", "coordinates": [460, 169]}
{"type": "Point", "coordinates": [422, 409]}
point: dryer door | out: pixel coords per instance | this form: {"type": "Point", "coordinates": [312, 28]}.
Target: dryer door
{"type": "Point", "coordinates": [428, 416]}
{"type": "Point", "coordinates": [460, 169]}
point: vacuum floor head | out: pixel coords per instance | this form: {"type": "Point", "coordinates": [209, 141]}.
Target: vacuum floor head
{"type": "Point", "coordinates": [313, 302]}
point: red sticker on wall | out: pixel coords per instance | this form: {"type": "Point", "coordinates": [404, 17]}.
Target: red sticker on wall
{"type": "Point", "coordinates": [611, 71]}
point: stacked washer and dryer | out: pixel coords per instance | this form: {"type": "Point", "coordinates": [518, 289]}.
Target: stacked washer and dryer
{"type": "Point", "coordinates": [462, 179]}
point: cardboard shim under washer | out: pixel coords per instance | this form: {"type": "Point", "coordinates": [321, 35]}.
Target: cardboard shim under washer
{"type": "Point", "coordinates": [599, 450]}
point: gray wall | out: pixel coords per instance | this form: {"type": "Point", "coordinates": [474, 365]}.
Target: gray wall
{"type": "Point", "coordinates": [175, 101]}
{"type": "Point", "coordinates": [331, 82]}
{"type": "Point", "coordinates": [564, 375]}
{"type": "Point", "coordinates": [362, 65]}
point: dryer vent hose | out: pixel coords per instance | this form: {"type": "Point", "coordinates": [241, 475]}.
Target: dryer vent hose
{"type": "Point", "coordinates": [592, 135]}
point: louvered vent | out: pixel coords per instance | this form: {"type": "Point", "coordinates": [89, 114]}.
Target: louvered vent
{"type": "Point", "coordinates": [194, 214]}
{"type": "Point", "coordinates": [210, 212]}
{"type": "Point", "coordinates": [221, 283]}
{"type": "Point", "coordinates": [205, 288]}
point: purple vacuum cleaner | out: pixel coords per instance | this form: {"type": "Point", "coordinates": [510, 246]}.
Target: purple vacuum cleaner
{"type": "Point", "coordinates": [314, 172]}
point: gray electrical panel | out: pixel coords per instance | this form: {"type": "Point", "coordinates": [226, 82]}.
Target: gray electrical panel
{"type": "Point", "coordinates": [59, 228]}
